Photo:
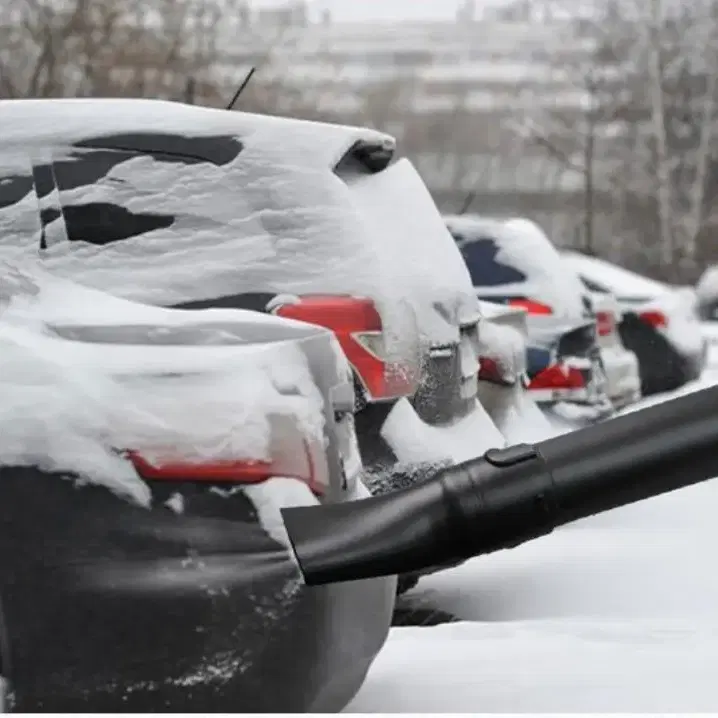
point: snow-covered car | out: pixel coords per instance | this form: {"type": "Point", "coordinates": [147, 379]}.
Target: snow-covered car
{"type": "Point", "coordinates": [503, 381]}
{"type": "Point", "coordinates": [192, 207]}
{"type": "Point", "coordinates": [145, 456]}
{"type": "Point", "coordinates": [660, 323]}
{"type": "Point", "coordinates": [706, 290]}
{"type": "Point", "coordinates": [707, 293]}
{"type": "Point", "coordinates": [623, 377]}
{"type": "Point", "coordinates": [514, 263]}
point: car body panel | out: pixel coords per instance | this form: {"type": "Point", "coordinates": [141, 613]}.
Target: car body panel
{"type": "Point", "coordinates": [186, 597]}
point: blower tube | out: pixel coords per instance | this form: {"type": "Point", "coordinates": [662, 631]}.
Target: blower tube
{"type": "Point", "coordinates": [510, 495]}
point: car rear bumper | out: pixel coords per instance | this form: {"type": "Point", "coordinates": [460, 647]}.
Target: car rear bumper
{"type": "Point", "coordinates": [111, 607]}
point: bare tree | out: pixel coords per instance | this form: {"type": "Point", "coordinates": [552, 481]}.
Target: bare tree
{"type": "Point", "coordinates": [644, 137]}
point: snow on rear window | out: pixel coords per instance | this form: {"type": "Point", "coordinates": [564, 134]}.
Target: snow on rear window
{"type": "Point", "coordinates": [276, 219]}
{"type": "Point", "coordinates": [615, 279]}
{"type": "Point", "coordinates": [71, 406]}
{"type": "Point", "coordinates": [529, 262]}
{"type": "Point", "coordinates": [416, 256]}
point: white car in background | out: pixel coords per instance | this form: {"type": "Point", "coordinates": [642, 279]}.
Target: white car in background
{"type": "Point", "coordinates": [660, 322]}
{"type": "Point", "coordinates": [514, 264]}
{"type": "Point", "coordinates": [623, 377]}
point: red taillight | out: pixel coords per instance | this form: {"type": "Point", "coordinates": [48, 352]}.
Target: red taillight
{"type": "Point", "coordinates": [654, 318]}
{"type": "Point", "coordinates": [605, 323]}
{"type": "Point", "coordinates": [358, 327]}
{"type": "Point", "coordinates": [531, 306]}
{"type": "Point", "coordinates": [291, 454]}
{"type": "Point", "coordinates": [489, 370]}
{"type": "Point", "coordinates": [558, 376]}
{"type": "Point", "coordinates": [226, 471]}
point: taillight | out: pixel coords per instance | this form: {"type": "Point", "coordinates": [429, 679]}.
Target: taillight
{"type": "Point", "coordinates": [358, 327]}
{"type": "Point", "coordinates": [292, 456]}
{"type": "Point", "coordinates": [531, 306]}
{"type": "Point", "coordinates": [605, 323]}
{"type": "Point", "coordinates": [491, 371]}
{"type": "Point", "coordinates": [654, 318]}
{"type": "Point", "coordinates": [558, 376]}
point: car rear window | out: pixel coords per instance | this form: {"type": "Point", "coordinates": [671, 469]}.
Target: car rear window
{"type": "Point", "coordinates": [480, 256]}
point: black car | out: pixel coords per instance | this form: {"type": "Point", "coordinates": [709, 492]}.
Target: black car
{"type": "Point", "coordinates": [146, 454]}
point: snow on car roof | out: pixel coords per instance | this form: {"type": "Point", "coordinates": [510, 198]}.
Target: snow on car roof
{"type": "Point", "coordinates": [523, 245]}
{"type": "Point", "coordinates": [37, 121]}
{"type": "Point", "coordinates": [68, 406]}
{"type": "Point", "coordinates": [707, 286]}
{"type": "Point", "coordinates": [617, 280]}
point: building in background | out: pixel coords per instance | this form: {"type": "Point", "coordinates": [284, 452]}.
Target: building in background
{"type": "Point", "coordinates": [455, 93]}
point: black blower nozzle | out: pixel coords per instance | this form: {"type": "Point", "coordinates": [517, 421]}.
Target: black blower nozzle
{"type": "Point", "coordinates": [510, 495]}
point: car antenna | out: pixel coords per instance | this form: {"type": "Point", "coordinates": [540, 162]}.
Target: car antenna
{"type": "Point", "coordinates": [241, 88]}
{"type": "Point", "coordinates": [468, 202]}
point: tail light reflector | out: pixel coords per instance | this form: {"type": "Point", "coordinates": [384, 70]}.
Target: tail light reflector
{"type": "Point", "coordinates": [292, 456]}
{"type": "Point", "coordinates": [558, 376]}
{"type": "Point", "coordinates": [654, 318]}
{"type": "Point", "coordinates": [357, 325]}
{"type": "Point", "coordinates": [531, 306]}
{"type": "Point", "coordinates": [605, 323]}
{"type": "Point", "coordinates": [491, 371]}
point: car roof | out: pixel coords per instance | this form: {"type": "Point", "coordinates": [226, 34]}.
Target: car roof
{"type": "Point", "coordinates": [39, 121]}
{"type": "Point", "coordinates": [618, 280]}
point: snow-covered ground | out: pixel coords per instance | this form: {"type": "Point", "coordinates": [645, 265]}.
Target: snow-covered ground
{"type": "Point", "coordinates": [615, 613]}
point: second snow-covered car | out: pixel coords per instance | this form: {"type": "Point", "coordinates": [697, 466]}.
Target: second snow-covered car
{"type": "Point", "coordinates": [514, 263]}
{"type": "Point", "coordinates": [660, 323]}
{"type": "Point", "coordinates": [145, 455]}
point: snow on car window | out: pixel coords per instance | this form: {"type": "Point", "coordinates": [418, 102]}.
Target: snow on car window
{"type": "Point", "coordinates": [415, 254]}
{"type": "Point", "coordinates": [617, 280]}
{"type": "Point", "coordinates": [276, 219]}
{"type": "Point", "coordinates": [479, 250]}
{"type": "Point", "coordinates": [523, 249]}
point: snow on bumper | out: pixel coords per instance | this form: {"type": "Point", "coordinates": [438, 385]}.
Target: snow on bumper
{"type": "Point", "coordinates": [413, 441]}
{"type": "Point", "coordinates": [623, 379]}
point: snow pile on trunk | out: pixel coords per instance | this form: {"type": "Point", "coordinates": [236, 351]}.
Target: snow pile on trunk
{"type": "Point", "coordinates": [72, 406]}
{"type": "Point", "coordinates": [513, 411]}
{"type": "Point", "coordinates": [505, 346]}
